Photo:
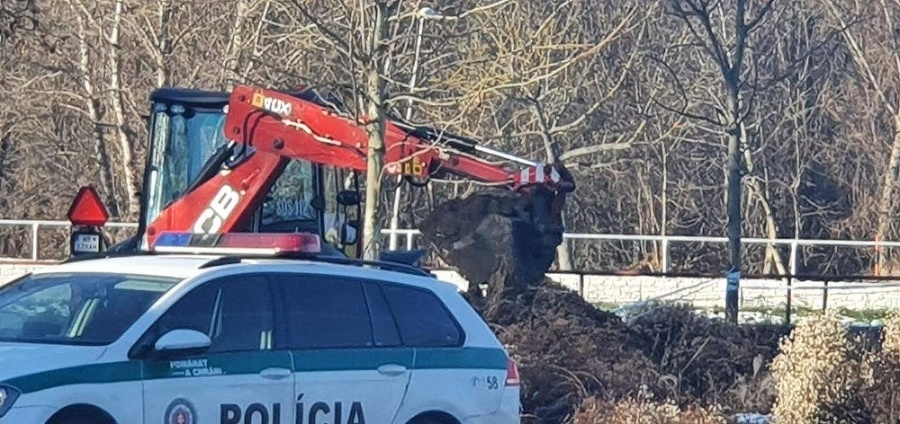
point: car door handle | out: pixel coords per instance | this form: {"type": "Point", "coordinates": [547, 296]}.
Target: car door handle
{"type": "Point", "coordinates": [392, 369]}
{"type": "Point", "coordinates": [275, 373]}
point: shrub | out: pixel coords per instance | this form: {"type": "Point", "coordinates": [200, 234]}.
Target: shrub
{"type": "Point", "coordinates": [644, 411]}
{"type": "Point", "coordinates": [821, 375]}
{"type": "Point", "coordinates": [709, 361]}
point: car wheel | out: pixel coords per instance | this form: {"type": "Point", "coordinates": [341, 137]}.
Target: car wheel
{"type": "Point", "coordinates": [424, 421]}
{"type": "Point", "coordinates": [74, 421]}
{"type": "Point", "coordinates": [78, 420]}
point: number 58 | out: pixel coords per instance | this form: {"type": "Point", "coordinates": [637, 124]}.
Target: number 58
{"type": "Point", "coordinates": [492, 383]}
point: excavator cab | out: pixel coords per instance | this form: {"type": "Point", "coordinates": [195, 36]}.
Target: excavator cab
{"type": "Point", "coordinates": [186, 137]}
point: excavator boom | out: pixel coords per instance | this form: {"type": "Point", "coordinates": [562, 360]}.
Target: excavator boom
{"type": "Point", "coordinates": [295, 127]}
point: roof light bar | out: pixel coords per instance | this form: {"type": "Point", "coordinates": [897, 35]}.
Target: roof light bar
{"type": "Point", "coordinates": [238, 243]}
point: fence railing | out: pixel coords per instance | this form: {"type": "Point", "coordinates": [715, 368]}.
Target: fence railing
{"type": "Point", "coordinates": [664, 241]}
{"type": "Point", "coordinates": [411, 234]}
{"type": "Point", "coordinates": [35, 226]}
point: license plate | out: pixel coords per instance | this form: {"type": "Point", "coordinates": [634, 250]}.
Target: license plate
{"type": "Point", "coordinates": [87, 243]}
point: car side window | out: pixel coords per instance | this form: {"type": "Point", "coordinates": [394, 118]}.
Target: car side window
{"type": "Point", "coordinates": [383, 323]}
{"type": "Point", "coordinates": [422, 317]}
{"type": "Point", "coordinates": [326, 312]}
{"type": "Point", "coordinates": [234, 311]}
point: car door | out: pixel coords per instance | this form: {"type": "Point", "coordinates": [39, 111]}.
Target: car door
{"type": "Point", "coordinates": [349, 364]}
{"type": "Point", "coordinates": [241, 378]}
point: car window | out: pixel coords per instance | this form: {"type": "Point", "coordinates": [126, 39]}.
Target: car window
{"type": "Point", "coordinates": [422, 318]}
{"type": "Point", "coordinates": [235, 312]}
{"type": "Point", "coordinates": [326, 312]}
{"type": "Point", "coordinates": [76, 308]}
{"type": "Point", "coordinates": [383, 324]}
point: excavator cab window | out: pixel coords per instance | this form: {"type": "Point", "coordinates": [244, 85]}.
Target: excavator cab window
{"type": "Point", "coordinates": [185, 137]}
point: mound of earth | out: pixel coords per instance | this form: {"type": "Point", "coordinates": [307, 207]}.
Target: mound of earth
{"type": "Point", "coordinates": [567, 350]}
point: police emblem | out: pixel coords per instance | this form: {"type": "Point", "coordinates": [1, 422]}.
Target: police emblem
{"type": "Point", "coordinates": [181, 411]}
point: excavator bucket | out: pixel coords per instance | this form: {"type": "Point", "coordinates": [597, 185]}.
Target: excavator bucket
{"type": "Point", "coordinates": [505, 239]}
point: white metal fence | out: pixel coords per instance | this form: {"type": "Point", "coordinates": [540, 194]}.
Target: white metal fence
{"type": "Point", "coordinates": [35, 226]}
{"type": "Point", "coordinates": [410, 235]}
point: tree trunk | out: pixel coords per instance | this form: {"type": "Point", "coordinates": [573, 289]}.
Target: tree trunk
{"type": "Point", "coordinates": [373, 101]}
{"type": "Point", "coordinates": [231, 64]}
{"type": "Point", "coordinates": [163, 43]}
{"type": "Point", "coordinates": [93, 107]}
{"type": "Point", "coordinates": [115, 88]}
{"type": "Point", "coordinates": [756, 188]}
{"type": "Point", "coordinates": [733, 203]}
{"type": "Point", "coordinates": [885, 204]}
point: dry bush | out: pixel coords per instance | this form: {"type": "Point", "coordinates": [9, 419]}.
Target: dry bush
{"type": "Point", "coordinates": [821, 375]}
{"type": "Point", "coordinates": [710, 361]}
{"type": "Point", "coordinates": [644, 411]}
{"type": "Point", "coordinates": [883, 397]}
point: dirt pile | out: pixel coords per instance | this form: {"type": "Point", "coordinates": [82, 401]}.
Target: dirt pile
{"type": "Point", "coordinates": [570, 352]}
{"type": "Point", "coordinates": [567, 350]}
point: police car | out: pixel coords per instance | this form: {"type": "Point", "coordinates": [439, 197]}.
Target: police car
{"type": "Point", "coordinates": [223, 334]}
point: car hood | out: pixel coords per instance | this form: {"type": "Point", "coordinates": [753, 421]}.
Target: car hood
{"type": "Point", "coordinates": [18, 359]}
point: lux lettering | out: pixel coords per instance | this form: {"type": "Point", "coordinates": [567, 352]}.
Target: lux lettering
{"type": "Point", "coordinates": [278, 106]}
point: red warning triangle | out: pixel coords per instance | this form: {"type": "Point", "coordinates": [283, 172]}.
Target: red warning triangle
{"type": "Point", "coordinates": [87, 209]}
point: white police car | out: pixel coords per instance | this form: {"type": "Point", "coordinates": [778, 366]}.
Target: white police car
{"type": "Point", "coordinates": [235, 339]}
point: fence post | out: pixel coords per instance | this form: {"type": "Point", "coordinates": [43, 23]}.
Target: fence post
{"type": "Point", "coordinates": [787, 311]}
{"type": "Point", "coordinates": [665, 255]}
{"type": "Point", "coordinates": [34, 241]}
{"type": "Point", "coordinates": [793, 258]}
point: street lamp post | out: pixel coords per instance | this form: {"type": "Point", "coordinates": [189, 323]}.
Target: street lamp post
{"type": "Point", "coordinates": [423, 14]}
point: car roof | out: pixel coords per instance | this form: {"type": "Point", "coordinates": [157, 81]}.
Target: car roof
{"type": "Point", "coordinates": [190, 265]}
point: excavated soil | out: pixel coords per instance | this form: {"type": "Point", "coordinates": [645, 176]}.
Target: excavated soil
{"type": "Point", "coordinates": [569, 351]}
{"type": "Point", "coordinates": [566, 349]}
{"type": "Point", "coordinates": [490, 238]}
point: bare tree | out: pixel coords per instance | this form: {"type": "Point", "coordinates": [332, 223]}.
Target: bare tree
{"type": "Point", "coordinates": [699, 16]}
{"type": "Point", "coordinates": [875, 50]}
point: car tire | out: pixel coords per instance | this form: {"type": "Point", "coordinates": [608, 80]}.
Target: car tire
{"type": "Point", "coordinates": [424, 421]}
{"type": "Point", "coordinates": [75, 421]}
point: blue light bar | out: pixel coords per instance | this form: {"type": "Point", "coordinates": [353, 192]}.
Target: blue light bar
{"type": "Point", "coordinates": [238, 243]}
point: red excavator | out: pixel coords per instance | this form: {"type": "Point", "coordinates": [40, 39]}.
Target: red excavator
{"type": "Point", "coordinates": [264, 160]}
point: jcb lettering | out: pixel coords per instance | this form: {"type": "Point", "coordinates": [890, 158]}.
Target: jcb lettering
{"type": "Point", "coordinates": [256, 413]}
{"type": "Point", "coordinates": [221, 207]}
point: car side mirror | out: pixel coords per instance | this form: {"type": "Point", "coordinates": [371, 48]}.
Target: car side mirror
{"type": "Point", "coordinates": [182, 341]}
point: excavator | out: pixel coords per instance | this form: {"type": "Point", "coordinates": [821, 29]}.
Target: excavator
{"type": "Point", "coordinates": [264, 160]}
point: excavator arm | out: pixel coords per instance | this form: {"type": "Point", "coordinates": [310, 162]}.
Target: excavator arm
{"type": "Point", "coordinates": [286, 125]}
{"type": "Point", "coordinates": [267, 128]}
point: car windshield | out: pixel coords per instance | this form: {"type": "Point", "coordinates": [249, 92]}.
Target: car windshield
{"type": "Point", "coordinates": [77, 308]}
